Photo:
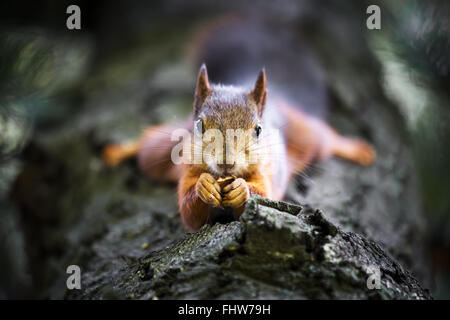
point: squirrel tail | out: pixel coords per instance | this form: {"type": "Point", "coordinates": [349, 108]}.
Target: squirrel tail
{"type": "Point", "coordinates": [114, 154]}
{"type": "Point", "coordinates": [236, 46]}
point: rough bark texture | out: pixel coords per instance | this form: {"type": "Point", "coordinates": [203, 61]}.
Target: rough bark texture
{"type": "Point", "coordinates": [276, 251]}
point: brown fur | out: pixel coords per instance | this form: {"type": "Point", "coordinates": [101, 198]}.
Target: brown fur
{"type": "Point", "coordinates": [306, 139]}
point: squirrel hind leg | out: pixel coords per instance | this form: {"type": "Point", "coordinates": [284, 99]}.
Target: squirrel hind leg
{"type": "Point", "coordinates": [114, 154]}
{"type": "Point", "coordinates": [154, 157]}
{"type": "Point", "coordinates": [354, 149]}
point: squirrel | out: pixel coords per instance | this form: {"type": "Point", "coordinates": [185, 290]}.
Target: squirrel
{"type": "Point", "coordinates": [287, 141]}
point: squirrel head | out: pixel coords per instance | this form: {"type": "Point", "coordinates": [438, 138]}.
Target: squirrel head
{"type": "Point", "coordinates": [230, 122]}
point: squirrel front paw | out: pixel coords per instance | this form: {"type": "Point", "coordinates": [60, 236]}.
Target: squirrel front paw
{"type": "Point", "coordinates": [208, 190]}
{"type": "Point", "coordinates": [236, 194]}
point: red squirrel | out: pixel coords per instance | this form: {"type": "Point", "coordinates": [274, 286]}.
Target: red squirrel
{"type": "Point", "coordinates": [287, 141]}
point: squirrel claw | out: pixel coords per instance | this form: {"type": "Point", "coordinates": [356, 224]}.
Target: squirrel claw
{"type": "Point", "coordinates": [208, 190]}
{"type": "Point", "coordinates": [236, 194]}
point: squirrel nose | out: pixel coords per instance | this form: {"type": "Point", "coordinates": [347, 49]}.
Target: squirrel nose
{"type": "Point", "coordinates": [225, 167]}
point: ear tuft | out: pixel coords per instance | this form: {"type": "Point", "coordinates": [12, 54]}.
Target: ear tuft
{"type": "Point", "coordinates": [202, 89]}
{"type": "Point", "coordinates": [259, 92]}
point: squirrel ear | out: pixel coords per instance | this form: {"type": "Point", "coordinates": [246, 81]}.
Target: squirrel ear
{"type": "Point", "coordinates": [259, 92]}
{"type": "Point", "coordinates": [202, 89]}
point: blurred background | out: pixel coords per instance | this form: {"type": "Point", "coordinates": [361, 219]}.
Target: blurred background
{"type": "Point", "coordinates": [64, 93]}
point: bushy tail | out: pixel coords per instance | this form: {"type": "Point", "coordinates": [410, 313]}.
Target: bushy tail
{"type": "Point", "coordinates": [236, 47]}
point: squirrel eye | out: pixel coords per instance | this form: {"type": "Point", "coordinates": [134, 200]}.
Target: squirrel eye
{"type": "Point", "coordinates": [199, 128]}
{"type": "Point", "coordinates": [258, 130]}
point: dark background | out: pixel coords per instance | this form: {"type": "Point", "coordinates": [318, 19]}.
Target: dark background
{"type": "Point", "coordinates": [50, 75]}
